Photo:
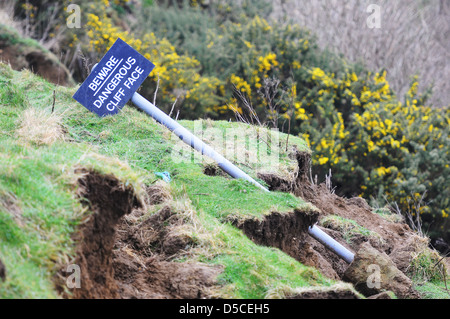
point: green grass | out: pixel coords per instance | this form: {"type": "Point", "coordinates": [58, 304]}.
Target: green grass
{"type": "Point", "coordinates": [133, 147]}
{"type": "Point", "coordinates": [349, 228]}
{"type": "Point", "coordinates": [221, 197]}
{"type": "Point", "coordinates": [48, 215]}
{"type": "Point", "coordinates": [429, 275]}
{"type": "Point", "coordinates": [249, 270]}
{"type": "Point", "coordinates": [252, 149]}
{"type": "Point", "coordinates": [36, 185]}
{"type": "Point", "coordinates": [433, 290]}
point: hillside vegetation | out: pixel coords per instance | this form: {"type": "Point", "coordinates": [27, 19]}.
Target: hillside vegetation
{"type": "Point", "coordinates": [42, 157]}
{"type": "Point", "coordinates": [63, 168]}
{"type": "Point", "coordinates": [411, 38]}
{"type": "Point", "coordinates": [125, 200]}
{"type": "Point", "coordinates": [228, 60]}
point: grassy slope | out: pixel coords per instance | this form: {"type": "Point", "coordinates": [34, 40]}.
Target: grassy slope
{"type": "Point", "coordinates": [37, 182]}
{"type": "Point", "coordinates": [12, 37]}
{"type": "Point", "coordinates": [39, 210]}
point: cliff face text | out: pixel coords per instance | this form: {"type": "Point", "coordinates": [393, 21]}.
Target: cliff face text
{"type": "Point", "coordinates": [105, 83]}
{"type": "Point", "coordinates": [114, 80]}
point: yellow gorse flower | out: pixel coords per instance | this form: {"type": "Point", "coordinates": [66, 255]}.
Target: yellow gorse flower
{"type": "Point", "coordinates": [266, 63]}
{"type": "Point", "coordinates": [241, 84]}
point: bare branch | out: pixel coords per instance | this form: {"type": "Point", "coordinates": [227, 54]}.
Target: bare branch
{"type": "Point", "coordinates": [156, 91]}
{"type": "Point", "coordinates": [173, 106]}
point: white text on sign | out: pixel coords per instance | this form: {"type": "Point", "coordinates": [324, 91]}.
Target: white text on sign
{"type": "Point", "coordinates": [104, 83]}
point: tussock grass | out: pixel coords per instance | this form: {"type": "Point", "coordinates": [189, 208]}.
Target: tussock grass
{"type": "Point", "coordinates": [388, 215]}
{"type": "Point", "coordinates": [429, 272]}
{"type": "Point", "coordinates": [41, 180]}
{"type": "Point", "coordinates": [40, 127]}
{"type": "Point", "coordinates": [426, 264]}
{"type": "Point", "coordinates": [159, 192]}
{"type": "Point", "coordinates": [222, 197]}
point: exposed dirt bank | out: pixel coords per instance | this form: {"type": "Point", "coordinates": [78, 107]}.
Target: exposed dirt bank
{"type": "Point", "coordinates": [129, 257]}
{"type": "Point", "coordinates": [125, 253]}
{"type": "Point", "coordinates": [142, 260]}
{"type": "Point", "coordinates": [21, 54]}
{"type": "Point", "coordinates": [2, 271]}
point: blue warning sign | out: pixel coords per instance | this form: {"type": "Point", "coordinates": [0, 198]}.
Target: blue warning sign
{"type": "Point", "coordinates": [114, 80]}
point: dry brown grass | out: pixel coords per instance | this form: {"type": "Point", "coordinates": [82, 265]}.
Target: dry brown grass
{"type": "Point", "coordinates": [427, 264]}
{"type": "Point", "coordinates": [286, 292]}
{"type": "Point", "coordinates": [40, 127]}
{"type": "Point", "coordinates": [10, 203]}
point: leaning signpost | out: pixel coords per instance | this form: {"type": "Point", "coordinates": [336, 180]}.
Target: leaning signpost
{"type": "Point", "coordinates": [115, 80]}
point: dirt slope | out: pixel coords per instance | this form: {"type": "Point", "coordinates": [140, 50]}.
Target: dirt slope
{"type": "Point", "coordinates": [113, 249]}
{"type": "Point", "coordinates": [395, 239]}
{"type": "Point", "coordinates": [23, 53]}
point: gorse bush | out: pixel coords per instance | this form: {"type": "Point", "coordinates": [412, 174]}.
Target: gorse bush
{"type": "Point", "coordinates": [378, 146]}
{"type": "Point", "coordinates": [176, 75]}
{"type": "Point", "coordinates": [250, 54]}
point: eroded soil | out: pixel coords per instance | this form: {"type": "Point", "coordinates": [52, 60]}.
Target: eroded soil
{"type": "Point", "coordinates": [122, 256]}
{"type": "Point", "coordinates": [124, 253]}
